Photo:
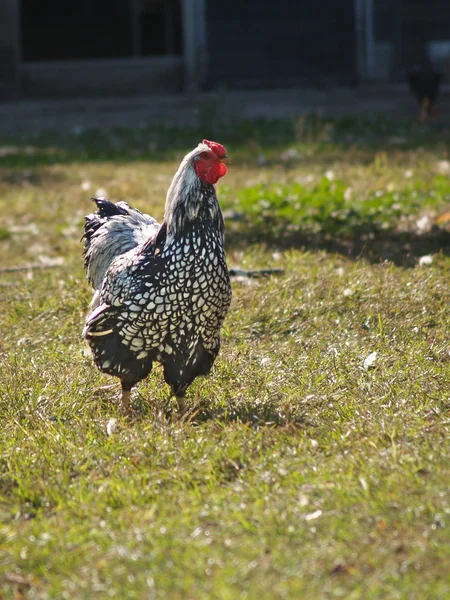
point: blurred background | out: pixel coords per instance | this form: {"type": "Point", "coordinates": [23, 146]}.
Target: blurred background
{"type": "Point", "coordinates": [57, 49]}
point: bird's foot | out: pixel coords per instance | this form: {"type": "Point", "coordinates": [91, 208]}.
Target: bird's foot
{"type": "Point", "coordinates": [187, 414]}
{"type": "Point", "coordinates": [128, 409]}
{"type": "Point", "coordinates": [179, 412]}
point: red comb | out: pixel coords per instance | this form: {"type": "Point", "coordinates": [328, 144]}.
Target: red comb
{"type": "Point", "coordinates": [218, 149]}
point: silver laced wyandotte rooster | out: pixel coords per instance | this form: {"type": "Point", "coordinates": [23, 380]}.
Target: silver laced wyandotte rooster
{"type": "Point", "coordinates": [161, 291]}
{"type": "Point", "coordinates": [424, 81]}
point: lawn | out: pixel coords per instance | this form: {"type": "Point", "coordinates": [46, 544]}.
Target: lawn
{"type": "Point", "coordinates": [315, 460]}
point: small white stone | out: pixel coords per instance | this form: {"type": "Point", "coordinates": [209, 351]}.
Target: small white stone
{"type": "Point", "coordinates": [111, 426]}
{"type": "Point", "coordinates": [290, 154]}
{"type": "Point", "coordinates": [424, 224]}
{"type": "Point", "coordinates": [101, 193]}
{"type": "Point", "coordinates": [426, 260]}
{"type": "Point", "coordinates": [266, 361]}
{"type": "Point", "coordinates": [363, 482]}
{"type": "Point", "coordinates": [444, 167]}
{"type": "Point", "coordinates": [397, 140]}
{"type": "Point", "coordinates": [369, 361]}
{"type": "Point", "coordinates": [348, 194]}
{"type": "Point", "coordinates": [314, 515]}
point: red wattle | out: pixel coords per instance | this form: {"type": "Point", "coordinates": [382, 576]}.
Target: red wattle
{"type": "Point", "coordinates": [222, 169]}
{"type": "Point", "coordinates": [217, 171]}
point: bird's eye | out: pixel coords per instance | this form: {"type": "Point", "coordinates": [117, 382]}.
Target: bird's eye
{"type": "Point", "coordinates": [204, 155]}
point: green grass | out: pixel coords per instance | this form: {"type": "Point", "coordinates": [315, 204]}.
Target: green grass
{"type": "Point", "coordinates": [302, 471]}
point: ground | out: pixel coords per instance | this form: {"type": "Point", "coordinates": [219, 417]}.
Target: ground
{"type": "Point", "coordinates": [80, 114]}
{"type": "Point", "coordinates": [314, 461]}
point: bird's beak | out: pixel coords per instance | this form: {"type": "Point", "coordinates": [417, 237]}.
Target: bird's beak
{"type": "Point", "coordinates": [225, 160]}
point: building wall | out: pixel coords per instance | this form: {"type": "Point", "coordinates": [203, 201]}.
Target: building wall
{"type": "Point", "coordinates": [248, 43]}
{"type": "Point", "coordinates": [407, 27]}
{"type": "Point", "coordinates": [9, 49]}
{"type": "Point", "coordinates": [267, 43]}
{"type": "Point", "coordinates": [423, 21]}
{"type": "Point", "coordinates": [50, 48]}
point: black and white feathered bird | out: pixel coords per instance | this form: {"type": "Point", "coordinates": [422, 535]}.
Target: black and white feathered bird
{"type": "Point", "coordinates": [161, 291]}
{"type": "Point", "coordinates": [424, 81]}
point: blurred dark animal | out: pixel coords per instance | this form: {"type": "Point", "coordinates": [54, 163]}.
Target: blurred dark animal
{"type": "Point", "coordinates": [424, 81]}
{"type": "Point", "coordinates": [161, 291]}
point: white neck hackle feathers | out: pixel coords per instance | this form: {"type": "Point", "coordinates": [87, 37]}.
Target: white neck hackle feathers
{"type": "Point", "coordinates": [183, 196]}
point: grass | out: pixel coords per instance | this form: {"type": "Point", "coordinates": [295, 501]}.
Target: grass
{"type": "Point", "coordinates": [307, 469]}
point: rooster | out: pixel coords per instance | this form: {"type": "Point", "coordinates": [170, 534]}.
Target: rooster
{"type": "Point", "coordinates": [424, 82]}
{"type": "Point", "coordinates": [161, 291]}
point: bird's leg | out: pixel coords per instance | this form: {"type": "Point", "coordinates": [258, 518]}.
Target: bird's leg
{"type": "Point", "coordinates": [181, 403]}
{"type": "Point", "coordinates": [126, 393]}
{"type": "Point", "coordinates": [424, 109]}
{"type": "Point", "coordinates": [179, 391]}
{"type": "Point", "coordinates": [434, 111]}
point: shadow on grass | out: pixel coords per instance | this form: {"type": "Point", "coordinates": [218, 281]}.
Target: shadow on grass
{"type": "Point", "coordinates": [250, 414]}
{"type": "Point", "coordinates": [403, 248]}
{"type": "Point", "coordinates": [201, 411]}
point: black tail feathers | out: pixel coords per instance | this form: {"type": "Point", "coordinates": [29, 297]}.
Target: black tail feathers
{"type": "Point", "coordinates": [95, 220]}
{"type": "Point", "coordinates": [108, 209]}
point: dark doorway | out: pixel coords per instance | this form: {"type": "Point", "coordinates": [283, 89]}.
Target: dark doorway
{"type": "Point", "coordinates": [87, 29]}
{"type": "Point", "coordinates": [159, 23]}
